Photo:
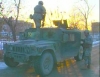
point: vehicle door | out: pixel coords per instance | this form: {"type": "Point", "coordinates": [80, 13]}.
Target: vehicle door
{"type": "Point", "coordinates": [69, 45]}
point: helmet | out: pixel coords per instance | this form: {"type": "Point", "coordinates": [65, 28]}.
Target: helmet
{"type": "Point", "coordinates": [86, 31]}
{"type": "Point", "coordinates": [40, 2]}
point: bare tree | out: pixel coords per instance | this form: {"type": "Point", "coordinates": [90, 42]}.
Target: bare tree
{"type": "Point", "coordinates": [85, 10]}
{"type": "Point", "coordinates": [75, 19]}
{"type": "Point", "coordinates": [1, 23]}
{"type": "Point", "coordinates": [12, 20]}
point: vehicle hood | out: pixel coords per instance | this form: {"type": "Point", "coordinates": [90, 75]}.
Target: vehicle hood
{"type": "Point", "coordinates": [32, 42]}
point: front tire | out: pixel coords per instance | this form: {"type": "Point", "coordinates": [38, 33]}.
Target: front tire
{"type": "Point", "coordinates": [10, 61]}
{"type": "Point", "coordinates": [79, 55]}
{"type": "Point", "coordinates": [44, 64]}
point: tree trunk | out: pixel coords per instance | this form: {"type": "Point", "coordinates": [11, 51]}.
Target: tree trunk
{"type": "Point", "coordinates": [14, 34]}
{"type": "Point", "coordinates": [12, 27]}
{"type": "Point", "coordinates": [86, 25]}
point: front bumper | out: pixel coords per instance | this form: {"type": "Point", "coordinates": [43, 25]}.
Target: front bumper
{"type": "Point", "coordinates": [18, 57]}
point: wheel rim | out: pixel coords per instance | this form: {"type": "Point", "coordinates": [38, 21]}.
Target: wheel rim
{"type": "Point", "coordinates": [47, 63]}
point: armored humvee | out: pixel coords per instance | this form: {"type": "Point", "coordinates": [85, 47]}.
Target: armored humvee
{"type": "Point", "coordinates": [54, 45]}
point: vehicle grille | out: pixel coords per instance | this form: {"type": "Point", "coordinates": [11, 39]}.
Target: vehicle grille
{"type": "Point", "coordinates": [19, 49]}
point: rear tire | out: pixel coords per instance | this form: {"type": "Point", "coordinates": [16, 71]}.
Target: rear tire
{"type": "Point", "coordinates": [79, 55]}
{"type": "Point", "coordinates": [44, 64]}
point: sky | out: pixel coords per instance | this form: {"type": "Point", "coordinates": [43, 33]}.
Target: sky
{"type": "Point", "coordinates": [51, 4]}
{"type": "Point", "coordinates": [64, 5]}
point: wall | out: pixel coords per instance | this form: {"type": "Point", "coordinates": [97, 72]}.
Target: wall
{"type": "Point", "coordinates": [96, 27]}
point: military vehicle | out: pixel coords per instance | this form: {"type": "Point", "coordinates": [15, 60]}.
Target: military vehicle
{"type": "Point", "coordinates": [53, 46]}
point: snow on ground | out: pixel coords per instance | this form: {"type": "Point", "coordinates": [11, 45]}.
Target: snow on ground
{"type": "Point", "coordinates": [3, 65]}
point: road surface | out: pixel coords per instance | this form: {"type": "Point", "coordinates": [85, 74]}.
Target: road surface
{"type": "Point", "coordinates": [70, 68]}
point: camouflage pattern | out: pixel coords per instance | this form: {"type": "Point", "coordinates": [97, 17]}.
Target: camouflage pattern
{"type": "Point", "coordinates": [87, 47]}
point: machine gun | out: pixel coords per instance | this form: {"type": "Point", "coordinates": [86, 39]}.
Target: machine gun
{"type": "Point", "coordinates": [61, 23]}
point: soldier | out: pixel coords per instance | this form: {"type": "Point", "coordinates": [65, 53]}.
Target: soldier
{"type": "Point", "coordinates": [87, 49]}
{"type": "Point", "coordinates": [39, 15]}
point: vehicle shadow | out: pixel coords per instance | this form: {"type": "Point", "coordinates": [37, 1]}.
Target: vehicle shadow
{"type": "Point", "coordinates": [68, 68]}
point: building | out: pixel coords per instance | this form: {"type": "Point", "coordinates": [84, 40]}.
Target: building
{"type": "Point", "coordinates": [95, 27]}
{"type": "Point", "coordinates": [21, 26]}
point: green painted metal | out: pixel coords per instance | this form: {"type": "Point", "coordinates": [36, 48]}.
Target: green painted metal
{"type": "Point", "coordinates": [62, 43]}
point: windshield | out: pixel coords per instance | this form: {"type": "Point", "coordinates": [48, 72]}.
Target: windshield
{"type": "Point", "coordinates": [43, 35]}
{"type": "Point", "coordinates": [31, 35]}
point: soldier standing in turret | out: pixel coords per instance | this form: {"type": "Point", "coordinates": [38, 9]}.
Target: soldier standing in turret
{"type": "Point", "coordinates": [38, 16]}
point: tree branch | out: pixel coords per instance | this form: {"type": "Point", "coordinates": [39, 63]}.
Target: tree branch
{"type": "Point", "coordinates": [17, 11]}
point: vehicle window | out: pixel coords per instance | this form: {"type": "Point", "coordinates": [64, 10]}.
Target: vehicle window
{"type": "Point", "coordinates": [31, 34]}
{"type": "Point", "coordinates": [71, 37]}
{"type": "Point", "coordinates": [68, 37]}
{"type": "Point", "coordinates": [48, 35]}
{"type": "Point", "coordinates": [65, 38]}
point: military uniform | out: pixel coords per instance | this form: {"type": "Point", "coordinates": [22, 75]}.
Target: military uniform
{"type": "Point", "coordinates": [87, 49]}
{"type": "Point", "coordinates": [39, 13]}
{"type": "Point", "coordinates": [38, 16]}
